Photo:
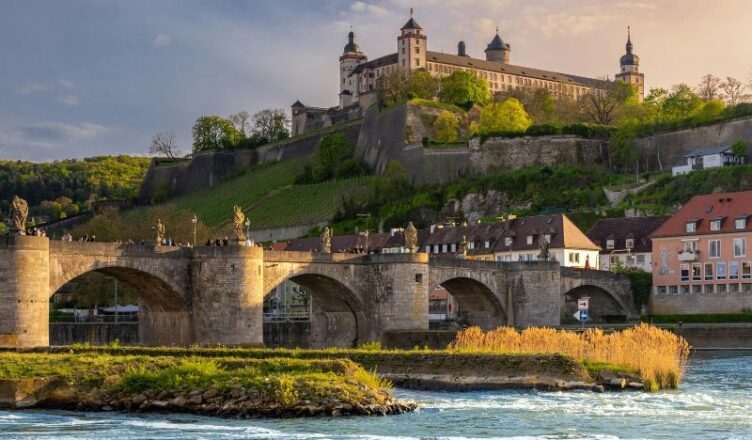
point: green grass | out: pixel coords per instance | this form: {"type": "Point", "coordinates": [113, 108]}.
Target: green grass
{"type": "Point", "coordinates": [436, 104]}
{"type": "Point", "coordinates": [705, 318]}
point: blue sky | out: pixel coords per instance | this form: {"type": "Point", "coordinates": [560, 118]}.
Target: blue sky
{"type": "Point", "coordinates": [88, 77]}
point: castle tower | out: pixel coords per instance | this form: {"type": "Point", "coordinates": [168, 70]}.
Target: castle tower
{"type": "Point", "coordinates": [412, 45]}
{"type": "Point", "coordinates": [350, 59]}
{"type": "Point", "coordinates": [497, 50]}
{"type": "Point", "coordinates": [630, 69]}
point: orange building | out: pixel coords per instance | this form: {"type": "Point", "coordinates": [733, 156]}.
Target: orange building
{"type": "Point", "coordinates": [701, 260]}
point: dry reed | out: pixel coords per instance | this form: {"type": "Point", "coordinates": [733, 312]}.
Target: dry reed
{"type": "Point", "coordinates": [659, 355]}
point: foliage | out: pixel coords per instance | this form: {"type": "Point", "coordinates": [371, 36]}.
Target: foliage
{"type": "Point", "coordinates": [446, 127]}
{"type": "Point", "coordinates": [421, 84]}
{"type": "Point", "coordinates": [214, 133]}
{"type": "Point", "coordinates": [739, 148]}
{"type": "Point", "coordinates": [506, 117]}
{"type": "Point", "coordinates": [74, 184]}
{"type": "Point", "coordinates": [335, 159]}
{"type": "Point", "coordinates": [641, 282]}
{"type": "Point", "coordinates": [437, 104]}
{"type": "Point", "coordinates": [463, 88]}
{"type": "Point", "coordinates": [271, 125]}
{"type": "Point", "coordinates": [659, 355]}
{"type": "Point", "coordinates": [604, 102]}
{"type": "Point", "coordinates": [392, 87]}
{"type": "Point", "coordinates": [543, 130]}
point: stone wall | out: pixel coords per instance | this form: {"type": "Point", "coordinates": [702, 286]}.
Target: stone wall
{"type": "Point", "coordinates": [165, 180]}
{"type": "Point", "coordinates": [667, 303]}
{"type": "Point", "coordinates": [662, 151]}
{"type": "Point", "coordinates": [502, 154]}
{"type": "Point", "coordinates": [94, 333]}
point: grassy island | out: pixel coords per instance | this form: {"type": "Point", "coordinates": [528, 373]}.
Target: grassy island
{"type": "Point", "coordinates": [224, 386]}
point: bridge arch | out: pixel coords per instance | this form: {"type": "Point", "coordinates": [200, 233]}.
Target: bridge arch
{"type": "Point", "coordinates": [605, 305]}
{"type": "Point", "coordinates": [479, 304]}
{"type": "Point", "coordinates": [338, 317]}
{"type": "Point", "coordinates": [164, 311]}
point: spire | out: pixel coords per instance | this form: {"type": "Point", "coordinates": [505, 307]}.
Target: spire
{"type": "Point", "coordinates": [351, 46]}
{"type": "Point", "coordinates": [629, 40]}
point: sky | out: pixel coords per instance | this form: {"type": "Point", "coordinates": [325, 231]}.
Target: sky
{"type": "Point", "coordinates": [81, 78]}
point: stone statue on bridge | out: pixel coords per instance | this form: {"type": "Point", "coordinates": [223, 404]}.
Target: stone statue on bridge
{"type": "Point", "coordinates": [159, 232]}
{"type": "Point", "coordinates": [411, 238]}
{"type": "Point", "coordinates": [326, 241]}
{"type": "Point", "coordinates": [19, 212]}
{"type": "Point", "coordinates": [544, 245]}
{"type": "Point", "coordinates": [237, 223]}
{"type": "Point", "coordinates": [464, 245]}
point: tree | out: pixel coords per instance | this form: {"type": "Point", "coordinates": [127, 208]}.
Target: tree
{"type": "Point", "coordinates": [421, 84]}
{"type": "Point", "coordinates": [709, 88]}
{"type": "Point", "coordinates": [271, 124]}
{"type": "Point", "coordinates": [214, 133]}
{"type": "Point", "coordinates": [606, 98]}
{"type": "Point", "coordinates": [462, 88]}
{"type": "Point", "coordinates": [734, 90]}
{"type": "Point", "coordinates": [392, 87]}
{"type": "Point", "coordinates": [739, 148]}
{"type": "Point", "coordinates": [504, 117]}
{"type": "Point", "coordinates": [446, 126]}
{"type": "Point", "coordinates": [242, 122]}
{"type": "Point", "coordinates": [680, 103]}
{"type": "Point", "coordinates": [163, 144]}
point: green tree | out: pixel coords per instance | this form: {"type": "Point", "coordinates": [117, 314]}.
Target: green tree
{"type": "Point", "coordinates": [710, 110]}
{"type": "Point", "coordinates": [739, 148]}
{"type": "Point", "coordinates": [422, 84]}
{"type": "Point", "coordinates": [623, 152]}
{"type": "Point", "coordinates": [446, 126]}
{"type": "Point", "coordinates": [271, 124]}
{"type": "Point", "coordinates": [461, 88]}
{"type": "Point", "coordinates": [607, 99]}
{"type": "Point", "coordinates": [214, 133]}
{"type": "Point", "coordinates": [392, 87]}
{"type": "Point", "coordinates": [680, 103]}
{"type": "Point", "coordinates": [504, 117]}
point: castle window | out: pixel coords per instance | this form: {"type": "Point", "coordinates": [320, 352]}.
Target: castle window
{"type": "Point", "coordinates": [417, 50]}
{"type": "Point", "coordinates": [417, 62]}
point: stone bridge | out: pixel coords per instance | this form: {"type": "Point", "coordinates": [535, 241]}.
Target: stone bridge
{"type": "Point", "coordinates": [214, 295]}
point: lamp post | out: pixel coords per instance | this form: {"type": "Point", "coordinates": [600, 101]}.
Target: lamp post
{"type": "Point", "coordinates": [195, 222]}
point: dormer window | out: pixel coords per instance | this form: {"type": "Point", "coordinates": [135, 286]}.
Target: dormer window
{"type": "Point", "coordinates": [715, 225]}
{"type": "Point", "coordinates": [740, 223]}
{"type": "Point", "coordinates": [529, 239]}
{"type": "Point", "coordinates": [609, 244]}
{"type": "Point", "coordinates": [547, 237]}
{"type": "Point", "coordinates": [690, 226]}
{"type": "Point", "coordinates": [507, 241]}
{"type": "Point", "coordinates": [487, 244]}
{"type": "Point", "coordinates": [630, 243]}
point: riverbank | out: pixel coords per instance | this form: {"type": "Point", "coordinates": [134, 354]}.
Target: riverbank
{"type": "Point", "coordinates": [215, 386]}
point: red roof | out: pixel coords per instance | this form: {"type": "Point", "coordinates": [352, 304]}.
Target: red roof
{"type": "Point", "coordinates": [726, 207]}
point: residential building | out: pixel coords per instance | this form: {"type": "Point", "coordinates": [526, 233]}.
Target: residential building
{"type": "Point", "coordinates": [701, 257]}
{"type": "Point", "coordinates": [625, 242]}
{"type": "Point", "coordinates": [708, 158]}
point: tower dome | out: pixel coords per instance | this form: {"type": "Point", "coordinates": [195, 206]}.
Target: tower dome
{"type": "Point", "coordinates": [629, 59]}
{"type": "Point", "coordinates": [351, 46]}
{"type": "Point", "coordinates": [498, 50]}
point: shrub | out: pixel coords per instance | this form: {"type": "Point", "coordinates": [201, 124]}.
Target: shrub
{"type": "Point", "coordinates": [543, 130]}
{"type": "Point", "coordinates": [508, 116]}
{"type": "Point", "coordinates": [590, 131]}
{"type": "Point", "coordinates": [446, 127]}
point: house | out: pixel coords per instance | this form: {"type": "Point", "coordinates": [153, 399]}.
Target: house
{"type": "Point", "coordinates": [519, 241]}
{"type": "Point", "coordinates": [708, 158]}
{"type": "Point", "coordinates": [701, 262]}
{"type": "Point", "coordinates": [625, 242]}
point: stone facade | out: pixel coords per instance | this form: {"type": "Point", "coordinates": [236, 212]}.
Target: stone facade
{"type": "Point", "coordinates": [214, 295]}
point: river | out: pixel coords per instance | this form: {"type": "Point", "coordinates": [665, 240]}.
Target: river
{"type": "Point", "coordinates": [715, 402]}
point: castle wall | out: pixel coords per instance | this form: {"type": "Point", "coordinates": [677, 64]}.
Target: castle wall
{"type": "Point", "coordinates": [204, 170]}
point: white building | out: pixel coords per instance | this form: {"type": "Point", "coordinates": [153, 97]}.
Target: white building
{"type": "Point", "coordinates": [708, 158]}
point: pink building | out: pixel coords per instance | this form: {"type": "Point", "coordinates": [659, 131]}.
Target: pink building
{"type": "Point", "coordinates": [701, 259]}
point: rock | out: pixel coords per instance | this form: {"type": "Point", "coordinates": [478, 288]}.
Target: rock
{"type": "Point", "coordinates": [597, 389]}
{"type": "Point", "coordinates": [179, 401]}
{"type": "Point", "coordinates": [161, 404]}
{"type": "Point", "coordinates": [138, 399]}
{"type": "Point", "coordinates": [336, 413]}
{"type": "Point", "coordinates": [195, 399]}
{"type": "Point", "coordinates": [194, 393]}
{"type": "Point", "coordinates": [636, 385]}
{"type": "Point", "coordinates": [210, 393]}
{"type": "Point", "coordinates": [107, 408]}
{"type": "Point", "coordinates": [617, 383]}
{"type": "Point", "coordinates": [605, 377]}
{"type": "Point", "coordinates": [161, 395]}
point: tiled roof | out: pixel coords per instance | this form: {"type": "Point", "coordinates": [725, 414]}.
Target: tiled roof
{"type": "Point", "coordinates": [386, 60]}
{"type": "Point", "coordinates": [709, 151]}
{"type": "Point", "coordinates": [728, 206]}
{"type": "Point", "coordinates": [620, 229]}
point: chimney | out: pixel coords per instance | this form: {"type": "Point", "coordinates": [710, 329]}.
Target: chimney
{"type": "Point", "coordinates": [461, 49]}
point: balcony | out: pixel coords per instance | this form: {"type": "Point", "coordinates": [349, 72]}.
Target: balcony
{"type": "Point", "coordinates": [688, 256]}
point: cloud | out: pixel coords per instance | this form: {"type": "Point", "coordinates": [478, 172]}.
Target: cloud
{"type": "Point", "coordinates": [29, 89]}
{"type": "Point", "coordinates": [65, 84]}
{"type": "Point", "coordinates": [161, 40]}
{"type": "Point", "coordinates": [368, 8]}
{"type": "Point", "coordinates": [69, 100]}
{"type": "Point", "coordinates": [49, 135]}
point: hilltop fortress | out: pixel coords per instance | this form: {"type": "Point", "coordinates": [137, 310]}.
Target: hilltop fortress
{"type": "Point", "coordinates": [358, 76]}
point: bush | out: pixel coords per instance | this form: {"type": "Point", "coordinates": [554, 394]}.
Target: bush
{"type": "Point", "coordinates": [543, 130]}
{"type": "Point", "coordinates": [446, 127]}
{"type": "Point", "coordinates": [589, 131]}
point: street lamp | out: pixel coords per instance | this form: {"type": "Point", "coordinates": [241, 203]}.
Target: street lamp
{"type": "Point", "coordinates": [195, 222]}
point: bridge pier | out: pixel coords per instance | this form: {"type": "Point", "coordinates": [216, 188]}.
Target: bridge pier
{"type": "Point", "coordinates": [24, 283]}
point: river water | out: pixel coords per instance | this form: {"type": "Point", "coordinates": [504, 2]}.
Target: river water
{"type": "Point", "coordinates": [715, 402]}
